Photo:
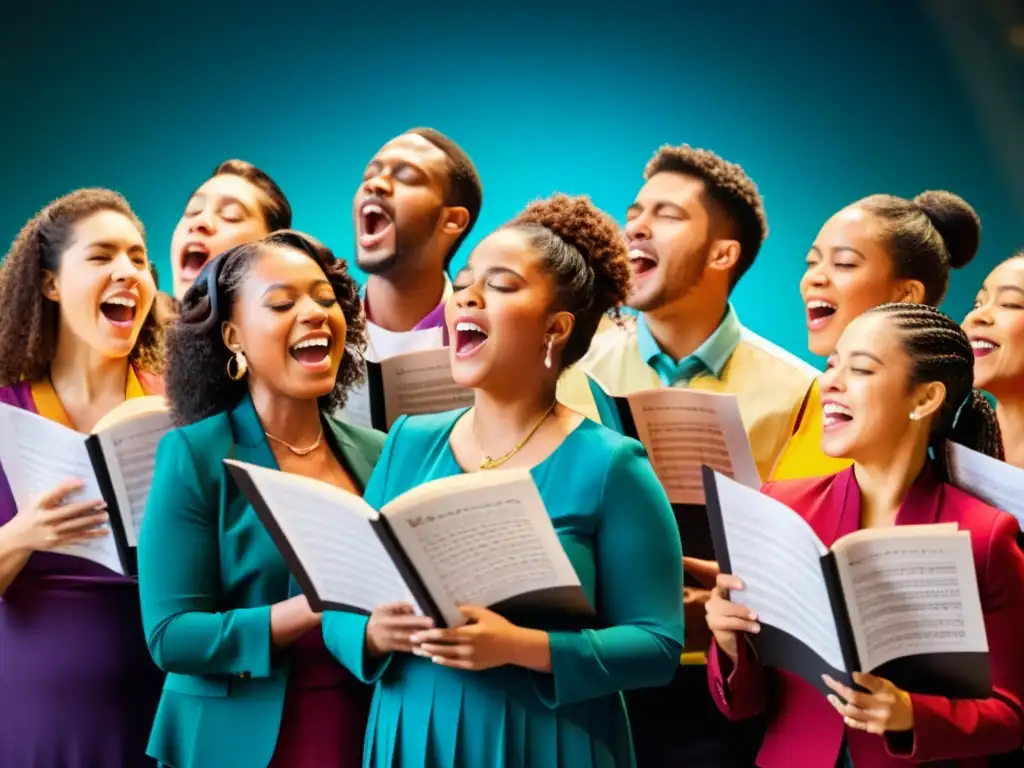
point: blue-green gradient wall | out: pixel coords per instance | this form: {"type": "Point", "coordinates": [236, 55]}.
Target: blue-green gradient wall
{"type": "Point", "coordinates": [821, 102]}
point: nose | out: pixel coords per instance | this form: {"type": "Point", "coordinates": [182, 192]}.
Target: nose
{"type": "Point", "coordinates": [126, 271]}
{"type": "Point", "coordinates": [638, 228]}
{"type": "Point", "coordinates": [312, 313]}
{"type": "Point", "coordinates": [202, 222]}
{"type": "Point", "coordinates": [378, 185]}
{"type": "Point", "coordinates": [979, 316]}
{"type": "Point", "coordinates": [468, 297]}
{"type": "Point", "coordinates": [816, 276]}
{"type": "Point", "coordinates": [831, 380]}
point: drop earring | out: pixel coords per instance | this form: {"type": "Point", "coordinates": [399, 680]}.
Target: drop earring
{"type": "Point", "coordinates": [241, 365]}
{"type": "Point", "coordinates": [547, 356]}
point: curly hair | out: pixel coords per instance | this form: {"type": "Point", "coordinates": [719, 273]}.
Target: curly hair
{"type": "Point", "coordinates": [939, 350]}
{"type": "Point", "coordinates": [196, 382]}
{"type": "Point", "coordinates": [728, 185]}
{"type": "Point", "coordinates": [583, 248]}
{"type": "Point", "coordinates": [29, 321]}
{"type": "Point", "coordinates": [927, 236]}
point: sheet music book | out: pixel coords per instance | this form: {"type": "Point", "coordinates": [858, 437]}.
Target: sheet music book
{"type": "Point", "coordinates": [900, 602]}
{"type": "Point", "coordinates": [993, 481]}
{"type": "Point", "coordinates": [682, 430]}
{"type": "Point", "coordinates": [413, 383]}
{"type": "Point", "coordinates": [115, 463]}
{"type": "Point", "coordinates": [482, 538]}
{"type": "Point", "coordinates": [382, 344]}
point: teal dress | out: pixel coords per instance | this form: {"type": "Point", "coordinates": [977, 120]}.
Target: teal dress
{"type": "Point", "coordinates": [616, 524]}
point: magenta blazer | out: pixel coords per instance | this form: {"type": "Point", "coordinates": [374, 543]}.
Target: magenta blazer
{"type": "Point", "coordinates": [804, 731]}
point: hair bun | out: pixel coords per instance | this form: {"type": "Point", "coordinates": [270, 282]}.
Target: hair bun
{"type": "Point", "coordinates": [956, 221]}
{"type": "Point", "coordinates": [595, 234]}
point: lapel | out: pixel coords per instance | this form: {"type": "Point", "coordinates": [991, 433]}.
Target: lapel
{"type": "Point", "coordinates": [840, 510]}
{"type": "Point", "coordinates": [250, 440]}
{"type": "Point", "coordinates": [350, 449]}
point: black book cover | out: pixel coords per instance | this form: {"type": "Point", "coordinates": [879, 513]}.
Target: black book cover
{"type": "Point", "coordinates": [375, 394]}
{"type": "Point", "coordinates": [127, 554]}
{"type": "Point", "coordinates": [953, 675]}
{"type": "Point", "coordinates": [408, 571]}
{"type": "Point", "coordinates": [774, 647]}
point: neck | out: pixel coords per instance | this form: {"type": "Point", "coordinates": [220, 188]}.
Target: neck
{"type": "Point", "coordinates": [884, 483]}
{"type": "Point", "coordinates": [399, 301]}
{"type": "Point", "coordinates": [294, 421]}
{"type": "Point", "coordinates": [682, 327]}
{"type": "Point", "coordinates": [501, 421]}
{"type": "Point", "coordinates": [1010, 413]}
{"type": "Point", "coordinates": [80, 374]}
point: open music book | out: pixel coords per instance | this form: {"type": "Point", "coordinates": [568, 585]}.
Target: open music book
{"type": "Point", "coordinates": [682, 430]}
{"type": "Point", "coordinates": [407, 384]}
{"type": "Point", "coordinates": [899, 602]}
{"type": "Point", "coordinates": [482, 538]}
{"type": "Point", "coordinates": [994, 482]}
{"type": "Point", "coordinates": [115, 463]}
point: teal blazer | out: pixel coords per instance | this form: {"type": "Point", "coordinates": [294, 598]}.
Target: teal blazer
{"type": "Point", "coordinates": [208, 574]}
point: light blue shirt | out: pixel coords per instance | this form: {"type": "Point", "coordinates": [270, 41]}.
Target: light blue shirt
{"type": "Point", "coordinates": [709, 357]}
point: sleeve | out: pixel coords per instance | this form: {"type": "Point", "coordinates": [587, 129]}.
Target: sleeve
{"type": "Point", "coordinates": [739, 690]}
{"type": "Point", "coordinates": [958, 729]}
{"type": "Point", "coordinates": [638, 558]}
{"type": "Point", "coordinates": [179, 578]}
{"type": "Point", "coordinates": [345, 633]}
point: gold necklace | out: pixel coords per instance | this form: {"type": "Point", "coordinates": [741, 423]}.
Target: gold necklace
{"type": "Point", "coordinates": [488, 463]}
{"type": "Point", "coordinates": [298, 451]}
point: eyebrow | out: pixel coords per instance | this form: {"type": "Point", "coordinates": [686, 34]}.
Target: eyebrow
{"type": "Point", "coordinates": [656, 205]}
{"type": "Point", "coordinates": [318, 283]}
{"type": "Point", "coordinates": [491, 271]}
{"type": "Point", "coordinates": [111, 246]}
{"type": "Point", "coordinates": [1014, 288]}
{"type": "Point", "coordinates": [839, 249]}
{"type": "Point", "coordinates": [867, 355]}
{"type": "Point", "coordinates": [229, 200]}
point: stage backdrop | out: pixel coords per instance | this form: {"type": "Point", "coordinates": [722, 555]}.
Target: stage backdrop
{"type": "Point", "coordinates": [820, 104]}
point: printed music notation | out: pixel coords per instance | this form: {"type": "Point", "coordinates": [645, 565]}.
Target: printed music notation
{"type": "Point", "coordinates": [421, 382]}
{"type": "Point", "coordinates": [684, 430]}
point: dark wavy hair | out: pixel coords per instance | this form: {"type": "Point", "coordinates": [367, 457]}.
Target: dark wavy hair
{"type": "Point", "coordinates": [28, 320]}
{"type": "Point", "coordinates": [196, 379]}
{"type": "Point", "coordinates": [939, 350]}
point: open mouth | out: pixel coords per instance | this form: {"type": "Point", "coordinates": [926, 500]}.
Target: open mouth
{"type": "Point", "coordinates": [835, 415]}
{"type": "Point", "coordinates": [313, 353]}
{"type": "Point", "coordinates": [983, 347]}
{"type": "Point", "coordinates": [193, 259]}
{"type": "Point", "coordinates": [819, 313]}
{"type": "Point", "coordinates": [641, 262]}
{"type": "Point", "coordinates": [375, 224]}
{"type": "Point", "coordinates": [469, 338]}
{"type": "Point", "coordinates": [119, 311]}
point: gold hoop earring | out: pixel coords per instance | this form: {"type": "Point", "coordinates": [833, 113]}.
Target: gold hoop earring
{"type": "Point", "coordinates": [241, 366]}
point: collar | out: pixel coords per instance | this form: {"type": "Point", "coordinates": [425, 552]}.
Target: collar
{"type": "Point", "coordinates": [711, 356]}
{"type": "Point", "coordinates": [49, 406]}
{"type": "Point", "coordinates": [433, 319]}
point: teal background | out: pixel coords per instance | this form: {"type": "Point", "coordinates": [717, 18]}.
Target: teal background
{"type": "Point", "coordinates": [822, 103]}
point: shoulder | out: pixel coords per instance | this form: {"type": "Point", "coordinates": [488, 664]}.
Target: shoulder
{"type": "Point", "coordinates": [980, 518]}
{"type": "Point", "coordinates": [204, 439]}
{"type": "Point", "coordinates": [423, 434]}
{"type": "Point", "coordinates": [17, 395]}
{"type": "Point", "coordinates": [775, 360]}
{"type": "Point", "coordinates": [370, 439]}
{"type": "Point", "coordinates": [609, 452]}
{"type": "Point", "coordinates": [801, 490]}
{"type": "Point", "coordinates": [610, 343]}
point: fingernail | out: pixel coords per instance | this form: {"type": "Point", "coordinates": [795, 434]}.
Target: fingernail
{"type": "Point", "coordinates": [753, 616]}
{"type": "Point", "coordinates": [420, 652]}
{"type": "Point", "coordinates": [833, 700]}
{"type": "Point", "coordinates": [755, 629]}
{"type": "Point", "coordinates": [826, 678]}
{"type": "Point", "coordinates": [415, 638]}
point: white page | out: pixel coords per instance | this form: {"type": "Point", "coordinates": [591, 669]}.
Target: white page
{"type": "Point", "coordinates": [330, 533]}
{"type": "Point", "coordinates": [37, 455]}
{"type": "Point", "coordinates": [777, 556]}
{"type": "Point", "coordinates": [421, 382]}
{"type": "Point", "coordinates": [382, 344]}
{"type": "Point", "coordinates": [912, 594]}
{"type": "Point", "coordinates": [480, 538]}
{"type": "Point", "coordinates": [684, 429]}
{"type": "Point", "coordinates": [130, 452]}
{"type": "Point", "coordinates": [994, 482]}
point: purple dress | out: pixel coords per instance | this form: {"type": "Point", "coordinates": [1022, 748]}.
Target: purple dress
{"type": "Point", "coordinates": [78, 688]}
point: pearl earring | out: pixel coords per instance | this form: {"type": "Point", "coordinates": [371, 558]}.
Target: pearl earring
{"type": "Point", "coordinates": [547, 357]}
{"type": "Point", "coordinates": [914, 416]}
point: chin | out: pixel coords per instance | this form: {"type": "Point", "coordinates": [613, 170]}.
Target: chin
{"type": "Point", "coordinates": [469, 375]}
{"type": "Point", "coordinates": [820, 344]}
{"type": "Point", "coordinates": [375, 262]}
{"type": "Point", "coordinates": [836, 447]}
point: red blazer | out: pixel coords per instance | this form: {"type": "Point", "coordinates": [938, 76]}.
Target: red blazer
{"type": "Point", "coordinates": [804, 731]}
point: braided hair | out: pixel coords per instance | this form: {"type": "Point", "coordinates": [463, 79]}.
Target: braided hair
{"type": "Point", "coordinates": [940, 351]}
